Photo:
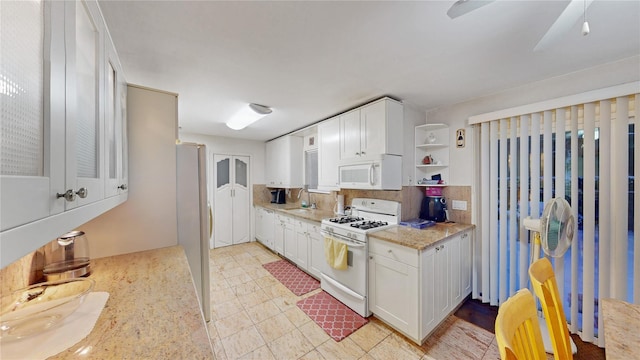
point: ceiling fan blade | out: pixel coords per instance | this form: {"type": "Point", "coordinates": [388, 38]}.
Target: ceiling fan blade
{"type": "Point", "coordinates": [574, 11]}
{"type": "Point", "coordinates": [462, 7]}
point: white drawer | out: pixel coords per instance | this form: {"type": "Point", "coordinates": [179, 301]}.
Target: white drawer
{"type": "Point", "coordinates": [285, 219]}
{"type": "Point", "coordinates": [403, 254]}
{"type": "Point", "coordinates": [301, 225]}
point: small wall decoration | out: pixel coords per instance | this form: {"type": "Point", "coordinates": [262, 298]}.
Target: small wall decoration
{"type": "Point", "coordinates": [460, 138]}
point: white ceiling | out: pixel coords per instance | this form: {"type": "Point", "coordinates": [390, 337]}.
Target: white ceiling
{"type": "Point", "coordinates": [310, 60]}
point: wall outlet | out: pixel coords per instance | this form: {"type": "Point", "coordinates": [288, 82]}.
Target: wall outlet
{"type": "Point", "coordinates": [459, 205]}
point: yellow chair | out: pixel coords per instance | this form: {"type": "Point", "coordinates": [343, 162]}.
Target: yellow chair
{"type": "Point", "coordinates": [544, 284]}
{"type": "Point", "coordinates": [517, 328]}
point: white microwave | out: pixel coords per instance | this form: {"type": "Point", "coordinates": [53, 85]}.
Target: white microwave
{"type": "Point", "coordinates": [383, 173]}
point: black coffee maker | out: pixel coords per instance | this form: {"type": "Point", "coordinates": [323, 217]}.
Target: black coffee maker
{"type": "Point", "coordinates": [434, 208]}
{"type": "Point", "coordinates": [278, 196]}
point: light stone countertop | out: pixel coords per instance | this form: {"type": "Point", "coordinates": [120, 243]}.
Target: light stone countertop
{"type": "Point", "coordinates": [420, 239]}
{"type": "Point", "coordinates": [621, 329]}
{"type": "Point", "coordinates": [305, 213]}
{"type": "Point", "coordinates": [152, 312]}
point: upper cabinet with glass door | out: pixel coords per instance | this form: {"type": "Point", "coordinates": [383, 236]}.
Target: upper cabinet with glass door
{"type": "Point", "coordinates": [116, 167]}
{"type": "Point", "coordinates": [52, 159]}
{"type": "Point", "coordinates": [84, 42]}
{"type": "Point", "coordinates": [32, 72]}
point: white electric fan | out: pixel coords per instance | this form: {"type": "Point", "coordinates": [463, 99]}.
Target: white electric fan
{"type": "Point", "coordinates": [554, 232]}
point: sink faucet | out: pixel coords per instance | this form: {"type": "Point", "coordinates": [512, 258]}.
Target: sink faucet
{"type": "Point", "coordinates": [312, 205]}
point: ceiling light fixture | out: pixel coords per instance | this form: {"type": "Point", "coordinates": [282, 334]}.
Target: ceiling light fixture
{"type": "Point", "coordinates": [248, 115]}
{"type": "Point", "coordinates": [585, 24]}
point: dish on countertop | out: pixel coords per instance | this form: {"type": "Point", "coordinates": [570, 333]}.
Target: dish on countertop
{"type": "Point", "coordinates": [41, 306]}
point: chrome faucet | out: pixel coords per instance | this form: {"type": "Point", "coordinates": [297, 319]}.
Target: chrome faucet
{"type": "Point", "coordinates": [310, 204]}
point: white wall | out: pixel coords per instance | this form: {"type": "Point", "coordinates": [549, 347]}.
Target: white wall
{"type": "Point", "coordinates": [413, 116]}
{"type": "Point", "coordinates": [462, 173]}
{"type": "Point", "coordinates": [147, 220]}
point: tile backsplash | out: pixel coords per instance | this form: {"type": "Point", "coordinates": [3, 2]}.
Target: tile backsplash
{"type": "Point", "coordinates": [410, 197]}
{"type": "Point", "coordinates": [23, 272]}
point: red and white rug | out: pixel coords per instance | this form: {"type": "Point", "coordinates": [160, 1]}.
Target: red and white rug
{"type": "Point", "coordinates": [334, 317]}
{"type": "Point", "coordinates": [293, 278]}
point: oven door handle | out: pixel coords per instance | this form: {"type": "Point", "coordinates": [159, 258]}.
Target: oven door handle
{"type": "Point", "coordinates": [343, 288]}
{"type": "Point", "coordinates": [342, 239]}
{"type": "Point", "coordinates": [371, 182]}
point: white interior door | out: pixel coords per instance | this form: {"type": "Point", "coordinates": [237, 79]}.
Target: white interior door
{"type": "Point", "coordinates": [240, 200]}
{"type": "Point", "coordinates": [222, 201]}
{"type": "Point", "coordinates": [231, 200]}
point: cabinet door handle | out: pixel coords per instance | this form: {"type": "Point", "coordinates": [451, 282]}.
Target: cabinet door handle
{"type": "Point", "coordinates": [389, 251]}
{"type": "Point", "coordinates": [362, 153]}
{"type": "Point", "coordinates": [123, 187]}
{"type": "Point", "coordinates": [357, 154]}
{"type": "Point", "coordinates": [82, 192]}
{"type": "Point", "coordinates": [68, 195]}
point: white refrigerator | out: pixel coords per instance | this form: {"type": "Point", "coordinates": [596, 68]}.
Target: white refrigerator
{"type": "Point", "coordinates": [194, 217]}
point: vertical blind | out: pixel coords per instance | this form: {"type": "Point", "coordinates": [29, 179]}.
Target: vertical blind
{"type": "Point", "coordinates": [584, 152]}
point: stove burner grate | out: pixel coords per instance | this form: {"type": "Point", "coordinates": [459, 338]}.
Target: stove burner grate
{"type": "Point", "coordinates": [345, 219]}
{"type": "Point", "coordinates": [366, 225]}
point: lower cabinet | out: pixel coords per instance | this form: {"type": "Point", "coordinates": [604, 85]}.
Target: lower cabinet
{"type": "Point", "coordinates": [284, 240]}
{"type": "Point", "coordinates": [301, 256]}
{"type": "Point", "coordinates": [265, 230]}
{"type": "Point", "coordinates": [316, 250]}
{"type": "Point", "coordinates": [414, 291]}
{"type": "Point", "coordinates": [393, 285]}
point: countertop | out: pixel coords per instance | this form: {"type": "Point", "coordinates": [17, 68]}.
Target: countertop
{"type": "Point", "coordinates": [304, 213]}
{"type": "Point", "coordinates": [420, 239]}
{"type": "Point", "coordinates": [152, 311]}
{"type": "Point", "coordinates": [621, 329]}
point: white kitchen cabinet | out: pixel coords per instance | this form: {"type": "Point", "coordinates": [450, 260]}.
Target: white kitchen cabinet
{"type": "Point", "coordinates": [429, 287]}
{"type": "Point", "coordinates": [85, 84]}
{"type": "Point", "coordinates": [432, 142]}
{"type": "Point", "coordinates": [442, 278]}
{"type": "Point", "coordinates": [433, 282]}
{"type": "Point", "coordinates": [301, 257]}
{"type": "Point", "coordinates": [371, 130]}
{"type": "Point", "coordinates": [264, 223]}
{"type": "Point", "coordinates": [52, 169]}
{"type": "Point", "coordinates": [116, 154]}
{"type": "Point", "coordinates": [283, 168]}
{"type": "Point", "coordinates": [455, 271]}
{"type": "Point", "coordinates": [393, 286]}
{"type": "Point", "coordinates": [285, 237]}
{"type": "Point", "coordinates": [316, 250]}
{"type": "Point", "coordinates": [278, 235]}
{"type": "Point", "coordinates": [466, 263]}
{"type": "Point", "coordinates": [328, 154]}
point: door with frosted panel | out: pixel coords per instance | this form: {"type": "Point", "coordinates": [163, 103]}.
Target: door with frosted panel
{"type": "Point", "coordinates": [241, 206]}
{"type": "Point", "coordinates": [32, 117]}
{"type": "Point", "coordinates": [85, 113]}
{"type": "Point", "coordinates": [232, 218]}
{"type": "Point", "coordinates": [115, 124]}
{"type": "Point", "coordinates": [223, 216]}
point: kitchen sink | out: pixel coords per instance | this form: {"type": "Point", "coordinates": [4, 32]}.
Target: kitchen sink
{"type": "Point", "coordinates": [302, 210]}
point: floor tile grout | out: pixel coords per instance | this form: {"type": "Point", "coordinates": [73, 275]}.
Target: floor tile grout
{"type": "Point", "coordinates": [248, 260]}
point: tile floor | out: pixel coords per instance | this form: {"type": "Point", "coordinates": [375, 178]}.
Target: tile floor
{"type": "Point", "coordinates": [256, 317]}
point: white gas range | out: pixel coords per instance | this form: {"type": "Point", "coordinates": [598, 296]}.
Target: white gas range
{"type": "Point", "coordinates": [350, 286]}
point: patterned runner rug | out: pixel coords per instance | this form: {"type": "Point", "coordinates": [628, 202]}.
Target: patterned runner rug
{"type": "Point", "coordinates": [334, 317]}
{"type": "Point", "coordinates": [293, 278]}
